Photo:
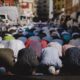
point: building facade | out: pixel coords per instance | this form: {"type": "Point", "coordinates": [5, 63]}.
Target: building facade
{"type": "Point", "coordinates": [7, 2]}
{"type": "Point", "coordinates": [72, 6]}
{"type": "Point", "coordinates": [69, 6]}
{"type": "Point", "coordinates": [58, 5]}
{"type": "Point", "coordinates": [0, 3]}
{"type": "Point", "coordinates": [27, 7]}
{"type": "Point", "coordinates": [35, 7]}
{"type": "Point", "coordinates": [43, 8]}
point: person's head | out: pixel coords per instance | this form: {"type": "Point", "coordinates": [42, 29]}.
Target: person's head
{"type": "Point", "coordinates": [36, 32]}
{"type": "Point", "coordinates": [62, 21]}
{"type": "Point", "coordinates": [47, 38]}
{"type": "Point", "coordinates": [41, 34]}
{"type": "Point", "coordinates": [20, 31]}
{"type": "Point", "coordinates": [75, 35]}
{"type": "Point", "coordinates": [66, 37]}
{"type": "Point", "coordinates": [12, 30]}
{"type": "Point", "coordinates": [54, 34]}
{"type": "Point", "coordinates": [8, 37]}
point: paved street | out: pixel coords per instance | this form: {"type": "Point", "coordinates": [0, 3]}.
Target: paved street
{"type": "Point", "coordinates": [40, 78]}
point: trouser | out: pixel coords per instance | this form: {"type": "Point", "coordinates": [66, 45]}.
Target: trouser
{"type": "Point", "coordinates": [45, 68]}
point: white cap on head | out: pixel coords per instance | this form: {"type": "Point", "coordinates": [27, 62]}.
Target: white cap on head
{"type": "Point", "coordinates": [64, 32]}
{"type": "Point", "coordinates": [12, 28]}
{"type": "Point", "coordinates": [76, 33]}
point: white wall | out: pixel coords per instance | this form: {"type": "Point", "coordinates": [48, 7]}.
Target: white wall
{"type": "Point", "coordinates": [11, 11]}
{"type": "Point", "coordinates": [26, 11]}
{"type": "Point", "coordinates": [50, 8]}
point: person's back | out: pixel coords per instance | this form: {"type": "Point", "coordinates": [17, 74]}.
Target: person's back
{"type": "Point", "coordinates": [66, 47]}
{"type": "Point", "coordinates": [71, 57]}
{"type": "Point", "coordinates": [50, 61]}
{"type": "Point", "coordinates": [6, 58]}
{"type": "Point", "coordinates": [23, 39]}
{"type": "Point", "coordinates": [58, 46]}
{"type": "Point", "coordinates": [50, 56]}
{"type": "Point", "coordinates": [34, 38]}
{"type": "Point", "coordinates": [16, 45]}
{"type": "Point", "coordinates": [26, 62]}
{"type": "Point", "coordinates": [35, 45]}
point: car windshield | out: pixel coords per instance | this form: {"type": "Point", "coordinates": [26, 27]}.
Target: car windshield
{"type": "Point", "coordinates": [2, 16]}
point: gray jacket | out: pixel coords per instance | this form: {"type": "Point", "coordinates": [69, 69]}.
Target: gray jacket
{"type": "Point", "coordinates": [50, 56]}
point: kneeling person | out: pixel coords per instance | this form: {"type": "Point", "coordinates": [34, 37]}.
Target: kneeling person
{"type": "Point", "coordinates": [50, 59]}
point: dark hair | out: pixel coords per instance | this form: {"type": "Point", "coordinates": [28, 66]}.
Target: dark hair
{"type": "Point", "coordinates": [51, 31]}
{"type": "Point", "coordinates": [41, 34]}
{"type": "Point", "coordinates": [76, 36]}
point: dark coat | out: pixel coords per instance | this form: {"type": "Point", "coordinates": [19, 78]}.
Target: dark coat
{"type": "Point", "coordinates": [26, 62]}
{"type": "Point", "coordinates": [72, 57]}
{"type": "Point", "coordinates": [6, 58]}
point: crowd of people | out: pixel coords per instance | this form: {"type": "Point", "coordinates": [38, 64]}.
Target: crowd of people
{"type": "Point", "coordinates": [42, 49]}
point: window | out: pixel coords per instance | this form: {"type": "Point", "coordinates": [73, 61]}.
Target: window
{"type": "Point", "coordinates": [22, 17]}
{"type": "Point", "coordinates": [44, 6]}
{"type": "Point", "coordinates": [63, 6]}
{"type": "Point", "coordinates": [2, 16]}
{"type": "Point", "coordinates": [44, 1]}
{"type": "Point", "coordinates": [58, 7]}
